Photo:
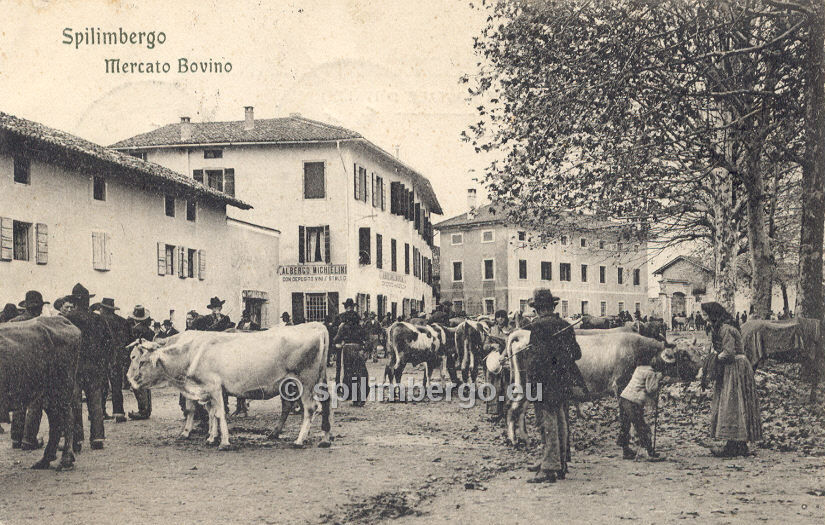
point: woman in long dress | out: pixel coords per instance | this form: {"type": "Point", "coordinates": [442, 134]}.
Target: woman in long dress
{"type": "Point", "coordinates": [735, 407]}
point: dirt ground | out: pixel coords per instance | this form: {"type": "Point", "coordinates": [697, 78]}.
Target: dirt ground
{"type": "Point", "coordinates": [412, 462]}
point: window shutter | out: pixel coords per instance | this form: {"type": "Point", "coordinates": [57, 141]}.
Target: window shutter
{"type": "Point", "coordinates": [42, 247]}
{"type": "Point", "coordinates": [182, 266]}
{"type": "Point", "coordinates": [379, 251]}
{"type": "Point", "coordinates": [327, 243]}
{"type": "Point", "coordinates": [297, 307]}
{"type": "Point", "coordinates": [201, 264]}
{"type": "Point", "coordinates": [98, 262]}
{"type": "Point", "coordinates": [355, 180]}
{"type": "Point", "coordinates": [383, 195]}
{"type": "Point", "coordinates": [161, 258]}
{"type": "Point", "coordinates": [6, 239]}
{"type": "Point", "coordinates": [301, 241]}
{"type": "Point", "coordinates": [393, 198]}
{"type": "Point", "coordinates": [107, 251]}
{"type": "Point", "coordinates": [229, 182]}
{"type": "Point", "coordinates": [364, 246]}
{"type": "Point", "coordinates": [198, 175]}
{"type": "Point", "coordinates": [332, 303]}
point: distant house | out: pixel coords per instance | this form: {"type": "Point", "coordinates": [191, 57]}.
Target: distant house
{"type": "Point", "coordinates": [684, 282]}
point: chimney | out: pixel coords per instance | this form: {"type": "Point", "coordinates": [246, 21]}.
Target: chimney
{"type": "Point", "coordinates": [185, 129]}
{"type": "Point", "coordinates": [249, 118]}
{"type": "Point", "coordinates": [471, 199]}
{"type": "Point", "coordinates": [397, 148]}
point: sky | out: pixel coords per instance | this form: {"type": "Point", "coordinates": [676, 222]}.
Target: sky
{"type": "Point", "coordinates": [386, 69]}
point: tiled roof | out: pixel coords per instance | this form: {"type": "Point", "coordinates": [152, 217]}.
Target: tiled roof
{"type": "Point", "coordinates": [695, 261]}
{"type": "Point", "coordinates": [481, 215]}
{"type": "Point", "coordinates": [80, 152]}
{"type": "Point", "coordinates": [286, 130]}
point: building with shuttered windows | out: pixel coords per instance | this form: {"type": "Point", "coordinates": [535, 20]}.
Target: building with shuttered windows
{"type": "Point", "coordinates": [73, 211]}
{"type": "Point", "coordinates": [356, 221]}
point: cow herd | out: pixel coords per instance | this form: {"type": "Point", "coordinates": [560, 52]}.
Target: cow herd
{"type": "Point", "coordinates": [40, 357]}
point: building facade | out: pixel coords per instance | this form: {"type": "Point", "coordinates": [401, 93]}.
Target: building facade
{"type": "Point", "coordinates": [72, 211]}
{"type": "Point", "coordinates": [487, 265]}
{"type": "Point", "coordinates": [356, 221]}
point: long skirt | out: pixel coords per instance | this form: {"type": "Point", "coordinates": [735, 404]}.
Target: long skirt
{"type": "Point", "coordinates": [735, 406]}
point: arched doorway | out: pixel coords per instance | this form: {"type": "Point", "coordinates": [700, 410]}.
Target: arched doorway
{"type": "Point", "coordinates": [678, 303]}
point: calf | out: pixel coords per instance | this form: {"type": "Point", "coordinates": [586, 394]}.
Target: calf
{"type": "Point", "coordinates": [469, 340]}
{"type": "Point", "coordinates": [431, 345]}
{"type": "Point", "coordinates": [251, 365]}
{"type": "Point", "coordinates": [38, 359]}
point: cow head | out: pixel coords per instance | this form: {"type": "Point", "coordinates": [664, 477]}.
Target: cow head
{"type": "Point", "coordinates": [681, 360]}
{"type": "Point", "coordinates": [146, 367]}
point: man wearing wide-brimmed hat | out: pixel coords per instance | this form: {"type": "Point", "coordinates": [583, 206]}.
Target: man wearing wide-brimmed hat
{"type": "Point", "coordinates": [140, 319]}
{"type": "Point", "coordinates": [95, 356]}
{"type": "Point", "coordinates": [551, 362]}
{"type": "Point", "coordinates": [25, 423]}
{"type": "Point", "coordinates": [218, 322]}
{"type": "Point", "coordinates": [119, 329]}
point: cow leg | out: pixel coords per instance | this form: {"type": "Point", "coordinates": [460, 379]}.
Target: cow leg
{"type": "Point", "coordinates": [211, 408]}
{"type": "Point", "coordinates": [326, 423]}
{"type": "Point", "coordinates": [286, 408]}
{"type": "Point", "coordinates": [427, 372]}
{"type": "Point", "coordinates": [473, 370]}
{"type": "Point", "coordinates": [220, 415]}
{"type": "Point", "coordinates": [190, 418]}
{"type": "Point", "coordinates": [309, 409]}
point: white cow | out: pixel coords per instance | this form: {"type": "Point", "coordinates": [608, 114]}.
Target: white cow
{"type": "Point", "coordinates": [288, 360]}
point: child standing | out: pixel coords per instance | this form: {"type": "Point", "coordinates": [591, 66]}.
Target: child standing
{"type": "Point", "coordinates": [643, 388]}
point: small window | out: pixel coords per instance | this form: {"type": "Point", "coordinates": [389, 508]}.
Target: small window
{"type": "Point", "coordinates": [456, 239]}
{"type": "Point", "coordinates": [99, 188]}
{"type": "Point", "coordinates": [22, 240]}
{"type": "Point", "coordinates": [546, 271]}
{"type": "Point", "coordinates": [585, 310]}
{"type": "Point", "coordinates": [602, 274]}
{"type": "Point", "coordinates": [138, 154]}
{"type": "Point", "coordinates": [619, 246]}
{"type": "Point", "coordinates": [522, 269]}
{"type": "Point", "coordinates": [564, 272]}
{"type": "Point", "coordinates": [621, 306]}
{"type": "Point", "coordinates": [583, 242]}
{"type": "Point", "coordinates": [458, 306]}
{"type": "Point", "coordinates": [601, 245]}
{"type": "Point", "coordinates": [584, 273]}
{"type": "Point", "coordinates": [170, 259]}
{"type": "Point", "coordinates": [191, 210]}
{"type": "Point", "coordinates": [489, 306]}
{"type": "Point", "coordinates": [638, 308]}
{"type": "Point", "coordinates": [522, 236]}
{"type": "Point", "coordinates": [620, 275]}
{"type": "Point", "coordinates": [22, 170]}
{"type": "Point", "coordinates": [213, 153]}
{"type": "Point", "coordinates": [522, 305]}
{"type": "Point", "coordinates": [406, 258]}
{"type": "Point", "coordinates": [314, 185]}
{"type": "Point", "coordinates": [314, 244]}
{"type": "Point", "coordinates": [635, 247]}
{"type": "Point", "coordinates": [565, 308]}
{"type": "Point", "coordinates": [488, 236]}
{"type": "Point", "coordinates": [393, 255]}
{"type": "Point", "coordinates": [190, 263]}
{"type": "Point", "coordinates": [603, 308]}
{"type": "Point", "coordinates": [637, 277]}
{"type": "Point", "coordinates": [564, 240]}
{"type": "Point", "coordinates": [379, 251]}
{"type": "Point", "coordinates": [457, 272]}
{"type": "Point", "coordinates": [170, 206]}
{"type": "Point", "coordinates": [489, 270]}
{"type": "Point", "coordinates": [214, 179]}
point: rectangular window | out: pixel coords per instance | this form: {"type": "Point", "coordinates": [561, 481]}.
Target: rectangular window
{"type": "Point", "coordinates": [564, 240]}
{"type": "Point", "coordinates": [618, 247]}
{"type": "Point", "coordinates": [197, 175]}
{"type": "Point", "coordinates": [522, 269]}
{"type": "Point", "coordinates": [546, 271]}
{"type": "Point", "coordinates": [638, 308]}
{"type": "Point", "coordinates": [489, 270]}
{"type": "Point", "coordinates": [22, 240]}
{"type": "Point", "coordinates": [191, 210]}
{"type": "Point", "coordinates": [602, 274]}
{"type": "Point", "coordinates": [170, 259]}
{"type": "Point", "coordinates": [637, 277]}
{"type": "Point", "coordinates": [22, 170]}
{"type": "Point", "coordinates": [522, 305]}
{"type": "Point", "coordinates": [603, 308]}
{"type": "Point", "coordinates": [99, 188]}
{"type": "Point", "coordinates": [315, 307]}
{"type": "Point", "coordinates": [621, 307]}
{"type": "Point", "coordinates": [458, 275]}
{"type": "Point", "coordinates": [584, 308]}
{"type": "Point", "coordinates": [362, 184]}
{"type": "Point", "coordinates": [190, 263]}
{"type": "Point", "coordinates": [489, 306]}
{"type": "Point", "coordinates": [379, 251]}
{"type": "Point", "coordinates": [407, 258]}
{"type": "Point", "coordinates": [458, 306]}
{"type": "Point", "coordinates": [620, 275]}
{"type": "Point", "coordinates": [393, 255]}
{"type": "Point", "coordinates": [213, 153]}
{"type": "Point", "coordinates": [601, 245]}
{"type": "Point", "coordinates": [169, 204]}
{"type": "Point", "coordinates": [522, 236]}
{"type": "Point", "coordinates": [313, 244]}
{"type": "Point", "coordinates": [564, 309]}
{"type": "Point", "coordinates": [564, 272]}
{"type": "Point", "coordinates": [488, 236]}
{"type": "Point", "coordinates": [457, 239]}
{"type": "Point", "coordinates": [214, 179]}
{"type": "Point", "coordinates": [583, 242]}
{"type": "Point", "coordinates": [314, 184]}
{"type": "Point", "coordinates": [584, 273]}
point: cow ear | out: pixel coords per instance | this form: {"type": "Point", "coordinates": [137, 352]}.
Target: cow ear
{"type": "Point", "coordinates": [668, 356]}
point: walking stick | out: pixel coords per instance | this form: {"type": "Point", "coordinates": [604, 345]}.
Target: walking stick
{"type": "Point", "coordinates": [655, 420]}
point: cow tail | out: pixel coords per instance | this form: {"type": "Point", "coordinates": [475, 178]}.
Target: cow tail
{"type": "Point", "coordinates": [465, 351]}
{"type": "Point", "coordinates": [393, 346]}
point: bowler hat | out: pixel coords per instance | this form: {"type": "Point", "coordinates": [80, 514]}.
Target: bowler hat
{"type": "Point", "coordinates": [33, 299]}
{"type": "Point", "coordinates": [167, 322]}
{"type": "Point", "coordinates": [156, 325]}
{"type": "Point", "coordinates": [349, 302]}
{"type": "Point", "coordinates": [285, 315]}
{"type": "Point", "coordinates": [108, 303]}
{"type": "Point", "coordinates": [139, 313]}
{"type": "Point", "coordinates": [543, 297]}
{"type": "Point", "coordinates": [79, 291]}
{"type": "Point", "coordinates": [215, 302]}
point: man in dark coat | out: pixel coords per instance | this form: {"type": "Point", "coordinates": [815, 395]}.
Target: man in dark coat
{"type": "Point", "coordinates": [25, 422]}
{"type": "Point", "coordinates": [140, 320]}
{"type": "Point", "coordinates": [351, 337]}
{"type": "Point", "coordinates": [551, 363]}
{"type": "Point", "coordinates": [193, 322]}
{"type": "Point", "coordinates": [92, 371]}
{"type": "Point", "coordinates": [168, 329]}
{"type": "Point", "coordinates": [441, 315]}
{"type": "Point", "coordinates": [246, 323]}
{"type": "Point", "coordinates": [120, 332]}
{"type": "Point", "coordinates": [218, 322]}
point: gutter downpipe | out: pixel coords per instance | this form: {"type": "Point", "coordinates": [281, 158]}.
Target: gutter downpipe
{"type": "Point", "coordinates": [346, 199]}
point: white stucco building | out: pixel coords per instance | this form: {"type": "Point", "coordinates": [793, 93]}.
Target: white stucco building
{"type": "Point", "coordinates": [73, 211]}
{"type": "Point", "coordinates": [356, 221]}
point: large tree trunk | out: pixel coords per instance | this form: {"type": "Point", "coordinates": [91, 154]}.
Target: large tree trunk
{"type": "Point", "coordinates": [809, 290]}
{"type": "Point", "coordinates": [759, 244]}
{"type": "Point", "coordinates": [724, 241]}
